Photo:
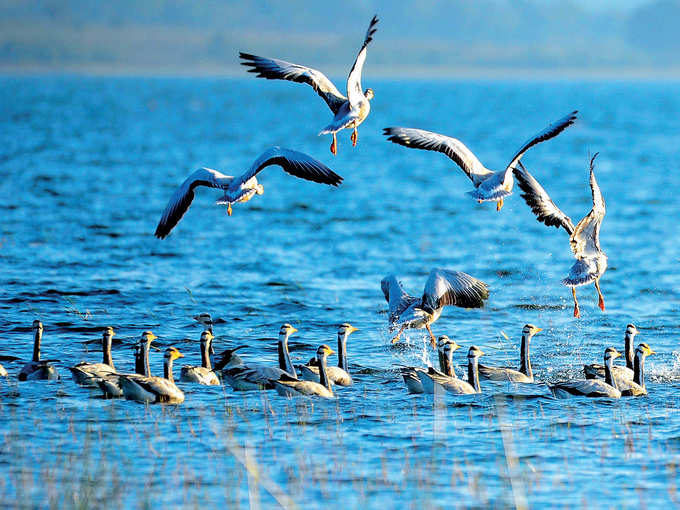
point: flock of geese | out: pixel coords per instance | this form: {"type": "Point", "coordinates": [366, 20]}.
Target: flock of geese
{"type": "Point", "coordinates": [317, 378]}
{"type": "Point", "coordinates": [444, 287]}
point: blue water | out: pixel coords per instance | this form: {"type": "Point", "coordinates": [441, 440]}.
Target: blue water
{"type": "Point", "coordinates": [88, 165]}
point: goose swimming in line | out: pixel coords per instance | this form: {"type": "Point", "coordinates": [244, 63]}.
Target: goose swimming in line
{"type": "Point", "coordinates": [411, 375]}
{"type": "Point", "coordinates": [349, 112]}
{"type": "Point", "coordinates": [458, 386]}
{"type": "Point", "coordinates": [37, 368]}
{"type": "Point", "coordinates": [430, 377]}
{"type": "Point", "coordinates": [592, 387]}
{"type": "Point", "coordinates": [338, 375]}
{"type": "Point", "coordinates": [443, 287]}
{"type": "Point", "coordinates": [243, 187]}
{"type": "Point", "coordinates": [596, 370]}
{"type": "Point", "coordinates": [636, 387]}
{"type": "Point", "coordinates": [155, 389]}
{"type": "Point", "coordinates": [525, 374]}
{"type": "Point", "coordinates": [86, 374]}
{"type": "Point", "coordinates": [258, 377]}
{"type": "Point", "coordinates": [290, 387]}
{"type": "Point", "coordinates": [110, 384]}
{"type": "Point", "coordinates": [584, 238]}
{"type": "Point", "coordinates": [203, 374]}
{"type": "Point", "coordinates": [489, 185]}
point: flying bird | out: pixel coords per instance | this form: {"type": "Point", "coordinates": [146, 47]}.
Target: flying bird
{"type": "Point", "coordinates": [584, 238]}
{"type": "Point", "coordinates": [489, 186]}
{"type": "Point", "coordinates": [443, 287]}
{"type": "Point", "coordinates": [243, 187]}
{"type": "Point", "coordinates": [349, 111]}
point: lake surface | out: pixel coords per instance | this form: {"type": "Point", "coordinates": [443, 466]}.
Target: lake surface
{"type": "Point", "coordinates": [88, 165]}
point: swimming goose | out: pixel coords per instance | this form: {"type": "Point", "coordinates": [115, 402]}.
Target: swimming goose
{"type": "Point", "coordinates": [155, 389]}
{"type": "Point", "coordinates": [338, 375]}
{"type": "Point", "coordinates": [636, 387]}
{"type": "Point", "coordinates": [37, 368]}
{"type": "Point", "coordinates": [243, 187]}
{"type": "Point", "coordinates": [290, 387]}
{"type": "Point", "coordinates": [86, 374]}
{"type": "Point", "coordinates": [445, 348]}
{"type": "Point", "coordinates": [592, 387]}
{"type": "Point", "coordinates": [257, 377]}
{"type": "Point", "coordinates": [443, 287]}
{"type": "Point", "coordinates": [110, 385]}
{"type": "Point", "coordinates": [489, 185]}
{"type": "Point", "coordinates": [460, 387]}
{"type": "Point", "coordinates": [584, 238]}
{"type": "Point", "coordinates": [596, 370]}
{"type": "Point", "coordinates": [348, 111]}
{"type": "Point", "coordinates": [203, 374]}
{"type": "Point", "coordinates": [525, 374]}
{"type": "Point", "coordinates": [411, 374]}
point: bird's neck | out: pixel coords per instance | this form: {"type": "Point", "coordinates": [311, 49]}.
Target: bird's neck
{"type": "Point", "coordinates": [36, 345]}
{"type": "Point", "coordinates": [107, 359]}
{"type": "Point", "coordinates": [524, 361]}
{"type": "Point", "coordinates": [285, 363]}
{"type": "Point", "coordinates": [447, 363]}
{"type": "Point", "coordinates": [139, 362]}
{"type": "Point", "coordinates": [205, 355]}
{"type": "Point", "coordinates": [167, 370]}
{"type": "Point", "coordinates": [342, 352]}
{"type": "Point", "coordinates": [630, 338]}
{"type": "Point", "coordinates": [639, 369]}
{"type": "Point", "coordinates": [608, 376]}
{"type": "Point", "coordinates": [323, 376]}
{"type": "Point", "coordinates": [473, 374]}
{"type": "Point", "coordinates": [145, 359]}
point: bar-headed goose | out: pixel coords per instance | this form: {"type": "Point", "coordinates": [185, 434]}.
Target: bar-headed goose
{"type": "Point", "coordinates": [584, 238]}
{"type": "Point", "coordinates": [489, 185]}
{"type": "Point", "coordinates": [243, 187]}
{"type": "Point", "coordinates": [443, 287]}
{"type": "Point", "coordinates": [349, 112]}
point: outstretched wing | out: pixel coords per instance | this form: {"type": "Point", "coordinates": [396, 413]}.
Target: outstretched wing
{"type": "Point", "coordinates": [452, 147]}
{"type": "Point", "coordinates": [273, 69]}
{"type": "Point", "coordinates": [585, 240]}
{"type": "Point", "coordinates": [540, 202]}
{"type": "Point", "coordinates": [445, 287]}
{"type": "Point", "coordinates": [395, 295]}
{"type": "Point", "coordinates": [354, 91]}
{"type": "Point", "coordinates": [547, 133]}
{"type": "Point", "coordinates": [181, 200]}
{"type": "Point", "coordinates": [293, 162]}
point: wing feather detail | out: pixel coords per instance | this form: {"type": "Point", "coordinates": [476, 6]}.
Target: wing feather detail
{"type": "Point", "coordinates": [451, 147]}
{"type": "Point", "coordinates": [274, 69]}
{"type": "Point", "coordinates": [181, 200]}
{"type": "Point", "coordinates": [445, 287]}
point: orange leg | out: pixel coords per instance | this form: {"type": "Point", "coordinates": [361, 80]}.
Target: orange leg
{"type": "Point", "coordinates": [433, 340]}
{"type": "Point", "coordinates": [354, 137]}
{"type": "Point", "coordinates": [599, 294]}
{"type": "Point", "coordinates": [577, 312]}
{"type": "Point", "coordinates": [229, 208]}
{"type": "Point", "coordinates": [499, 205]}
{"type": "Point", "coordinates": [396, 338]}
{"type": "Point", "coordinates": [334, 145]}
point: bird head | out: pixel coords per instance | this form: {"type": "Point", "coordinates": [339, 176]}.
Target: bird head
{"type": "Point", "coordinates": [369, 94]}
